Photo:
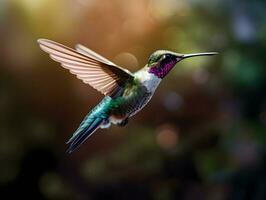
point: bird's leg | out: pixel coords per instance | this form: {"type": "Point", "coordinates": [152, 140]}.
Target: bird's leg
{"type": "Point", "coordinates": [123, 123]}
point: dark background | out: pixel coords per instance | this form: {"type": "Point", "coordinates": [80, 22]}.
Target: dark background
{"type": "Point", "coordinates": [202, 136]}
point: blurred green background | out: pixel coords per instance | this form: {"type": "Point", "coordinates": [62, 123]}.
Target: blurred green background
{"type": "Point", "coordinates": [203, 134]}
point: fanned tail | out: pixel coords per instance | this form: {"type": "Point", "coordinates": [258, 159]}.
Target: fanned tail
{"type": "Point", "coordinates": [88, 126]}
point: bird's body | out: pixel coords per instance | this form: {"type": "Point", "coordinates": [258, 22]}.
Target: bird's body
{"type": "Point", "coordinates": [125, 93]}
{"type": "Point", "coordinates": [134, 96]}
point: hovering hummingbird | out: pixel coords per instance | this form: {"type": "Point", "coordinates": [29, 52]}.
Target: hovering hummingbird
{"type": "Point", "coordinates": [125, 93]}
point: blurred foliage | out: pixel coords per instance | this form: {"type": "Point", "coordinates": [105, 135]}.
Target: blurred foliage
{"type": "Point", "coordinates": [202, 136]}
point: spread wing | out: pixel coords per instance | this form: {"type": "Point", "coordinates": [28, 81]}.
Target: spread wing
{"type": "Point", "coordinates": [88, 52]}
{"type": "Point", "coordinates": [90, 67]}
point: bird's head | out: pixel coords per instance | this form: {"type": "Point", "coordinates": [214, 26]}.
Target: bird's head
{"type": "Point", "coordinates": [162, 61]}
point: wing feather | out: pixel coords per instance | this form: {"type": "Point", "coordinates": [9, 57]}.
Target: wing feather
{"type": "Point", "coordinates": [86, 51]}
{"type": "Point", "coordinates": [90, 67]}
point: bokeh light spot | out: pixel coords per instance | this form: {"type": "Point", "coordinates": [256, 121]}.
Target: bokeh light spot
{"type": "Point", "coordinates": [127, 60]}
{"type": "Point", "coordinates": [172, 101]}
{"type": "Point", "coordinates": [167, 137]}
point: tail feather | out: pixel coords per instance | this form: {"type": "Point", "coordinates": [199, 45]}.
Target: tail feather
{"type": "Point", "coordinates": [86, 129]}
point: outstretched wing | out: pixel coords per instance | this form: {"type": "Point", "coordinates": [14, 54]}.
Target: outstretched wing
{"type": "Point", "coordinates": [88, 52]}
{"type": "Point", "coordinates": [90, 67]}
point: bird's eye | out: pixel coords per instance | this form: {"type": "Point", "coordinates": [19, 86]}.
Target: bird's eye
{"type": "Point", "coordinates": [165, 56]}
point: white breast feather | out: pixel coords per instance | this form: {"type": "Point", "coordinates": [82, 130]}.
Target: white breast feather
{"type": "Point", "coordinates": [149, 80]}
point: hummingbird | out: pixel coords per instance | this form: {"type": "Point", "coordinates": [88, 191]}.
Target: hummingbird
{"type": "Point", "coordinates": [125, 93]}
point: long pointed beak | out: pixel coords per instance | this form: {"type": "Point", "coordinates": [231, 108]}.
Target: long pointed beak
{"type": "Point", "coordinates": [199, 54]}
